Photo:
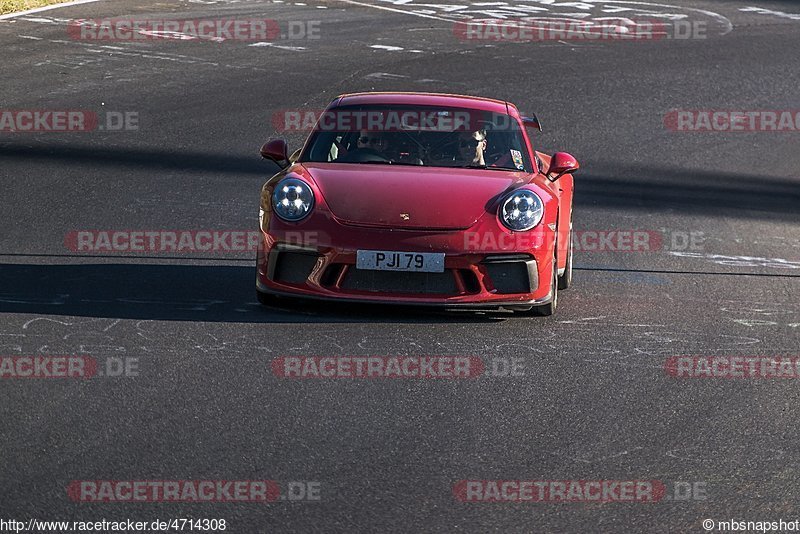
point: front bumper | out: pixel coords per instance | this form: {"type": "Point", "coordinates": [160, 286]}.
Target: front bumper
{"type": "Point", "coordinates": [472, 279]}
{"type": "Point", "coordinates": [511, 305]}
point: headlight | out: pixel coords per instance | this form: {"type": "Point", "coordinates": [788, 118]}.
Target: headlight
{"type": "Point", "coordinates": [522, 210]}
{"type": "Point", "coordinates": [292, 199]}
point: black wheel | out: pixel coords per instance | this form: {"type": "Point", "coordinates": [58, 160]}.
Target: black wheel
{"type": "Point", "coordinates": [565, 280]}
{"type": "Point", "coordinates": [550, 307]}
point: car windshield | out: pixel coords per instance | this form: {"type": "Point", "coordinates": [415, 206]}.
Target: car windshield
{"type": "Point", "coordinates": [418, 135]}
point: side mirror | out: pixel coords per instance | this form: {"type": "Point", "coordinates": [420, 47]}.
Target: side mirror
{"type": "Point", "coordinates": [561, 164]}
{"type": "Point", "coordinates": [532, 122]}
{"type": "Point", "coordinates": [277, 151]}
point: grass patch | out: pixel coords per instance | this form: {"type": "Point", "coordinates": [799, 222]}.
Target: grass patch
{"type": "Point", "coordinates": [11, 6]}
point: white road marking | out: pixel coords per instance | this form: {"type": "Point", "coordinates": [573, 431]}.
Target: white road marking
{"type": "Point", "coordinates": [28, 323]}
{"type": "Point", "coordinates": [754, 322]}
{"type": "Point", "coordinates": [41, 20]}
{"type": "Point", "coordinates": [389, 48]}
{"type": "Point", "coordinates": [382, 75]}
{"type": "Point", "coordinates": [168, 34]}
{"type": "Point", "coordinates": [44, 8]}
{"type": "Point", "coordinates": [584, 319]}
{"type": "Point", "coordinates": [546, 8]}
{"type": "Point", "coordinates": [281, 47]}
{"type": "Point", "coordinates": [384, 8]}
{"type": "Point", "coordinates": [725, 453]}
{"type": "Point", "coordinates": [764, 11]}
{"type": "Point", "coordinates": [741, 261]}
{"type": "Point", "coordinates": [164, 56]}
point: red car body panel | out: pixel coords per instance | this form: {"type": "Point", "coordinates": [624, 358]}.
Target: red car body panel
{"type": "Point", "coordinates": [417, 209]}
{"type": "Point", "coordinates": [469, 189]}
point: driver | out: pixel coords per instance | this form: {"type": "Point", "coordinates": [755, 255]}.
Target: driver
{"type": "Point", "coordinates": [471, 146]}
{"type": "Point", "coordinates": [374, 141]}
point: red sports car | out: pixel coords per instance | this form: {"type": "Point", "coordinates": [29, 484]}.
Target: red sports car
{"type": "Point", "coordinates": [414, 198]}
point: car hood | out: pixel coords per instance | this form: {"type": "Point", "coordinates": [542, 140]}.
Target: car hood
{"type": "Point", "coordinates": [409, 197]}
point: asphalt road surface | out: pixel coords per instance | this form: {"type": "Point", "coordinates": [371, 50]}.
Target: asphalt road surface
{"type": "Point", "coordinates": [193, 395]}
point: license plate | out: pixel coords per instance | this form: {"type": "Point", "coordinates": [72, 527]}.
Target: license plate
{"type": "Point", "coordinates": [386, 260]}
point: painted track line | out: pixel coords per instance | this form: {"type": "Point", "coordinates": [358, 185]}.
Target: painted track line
{"type": "Point", "coordinates": [45, 8]}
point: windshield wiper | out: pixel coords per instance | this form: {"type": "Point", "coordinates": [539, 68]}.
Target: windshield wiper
{"type": "Point", "coordinates": [386, 163]}
{"type": "Point", "coordinates": [490, 168]}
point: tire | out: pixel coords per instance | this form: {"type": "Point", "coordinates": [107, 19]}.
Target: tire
{"type": "Point", "coordinates": [549, 308]}
{"type": "Point", "coordinates": [565, 280]}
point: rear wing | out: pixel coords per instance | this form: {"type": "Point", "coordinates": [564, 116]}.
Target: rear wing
{"type": "Point", "coordinates": [532, 122]}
